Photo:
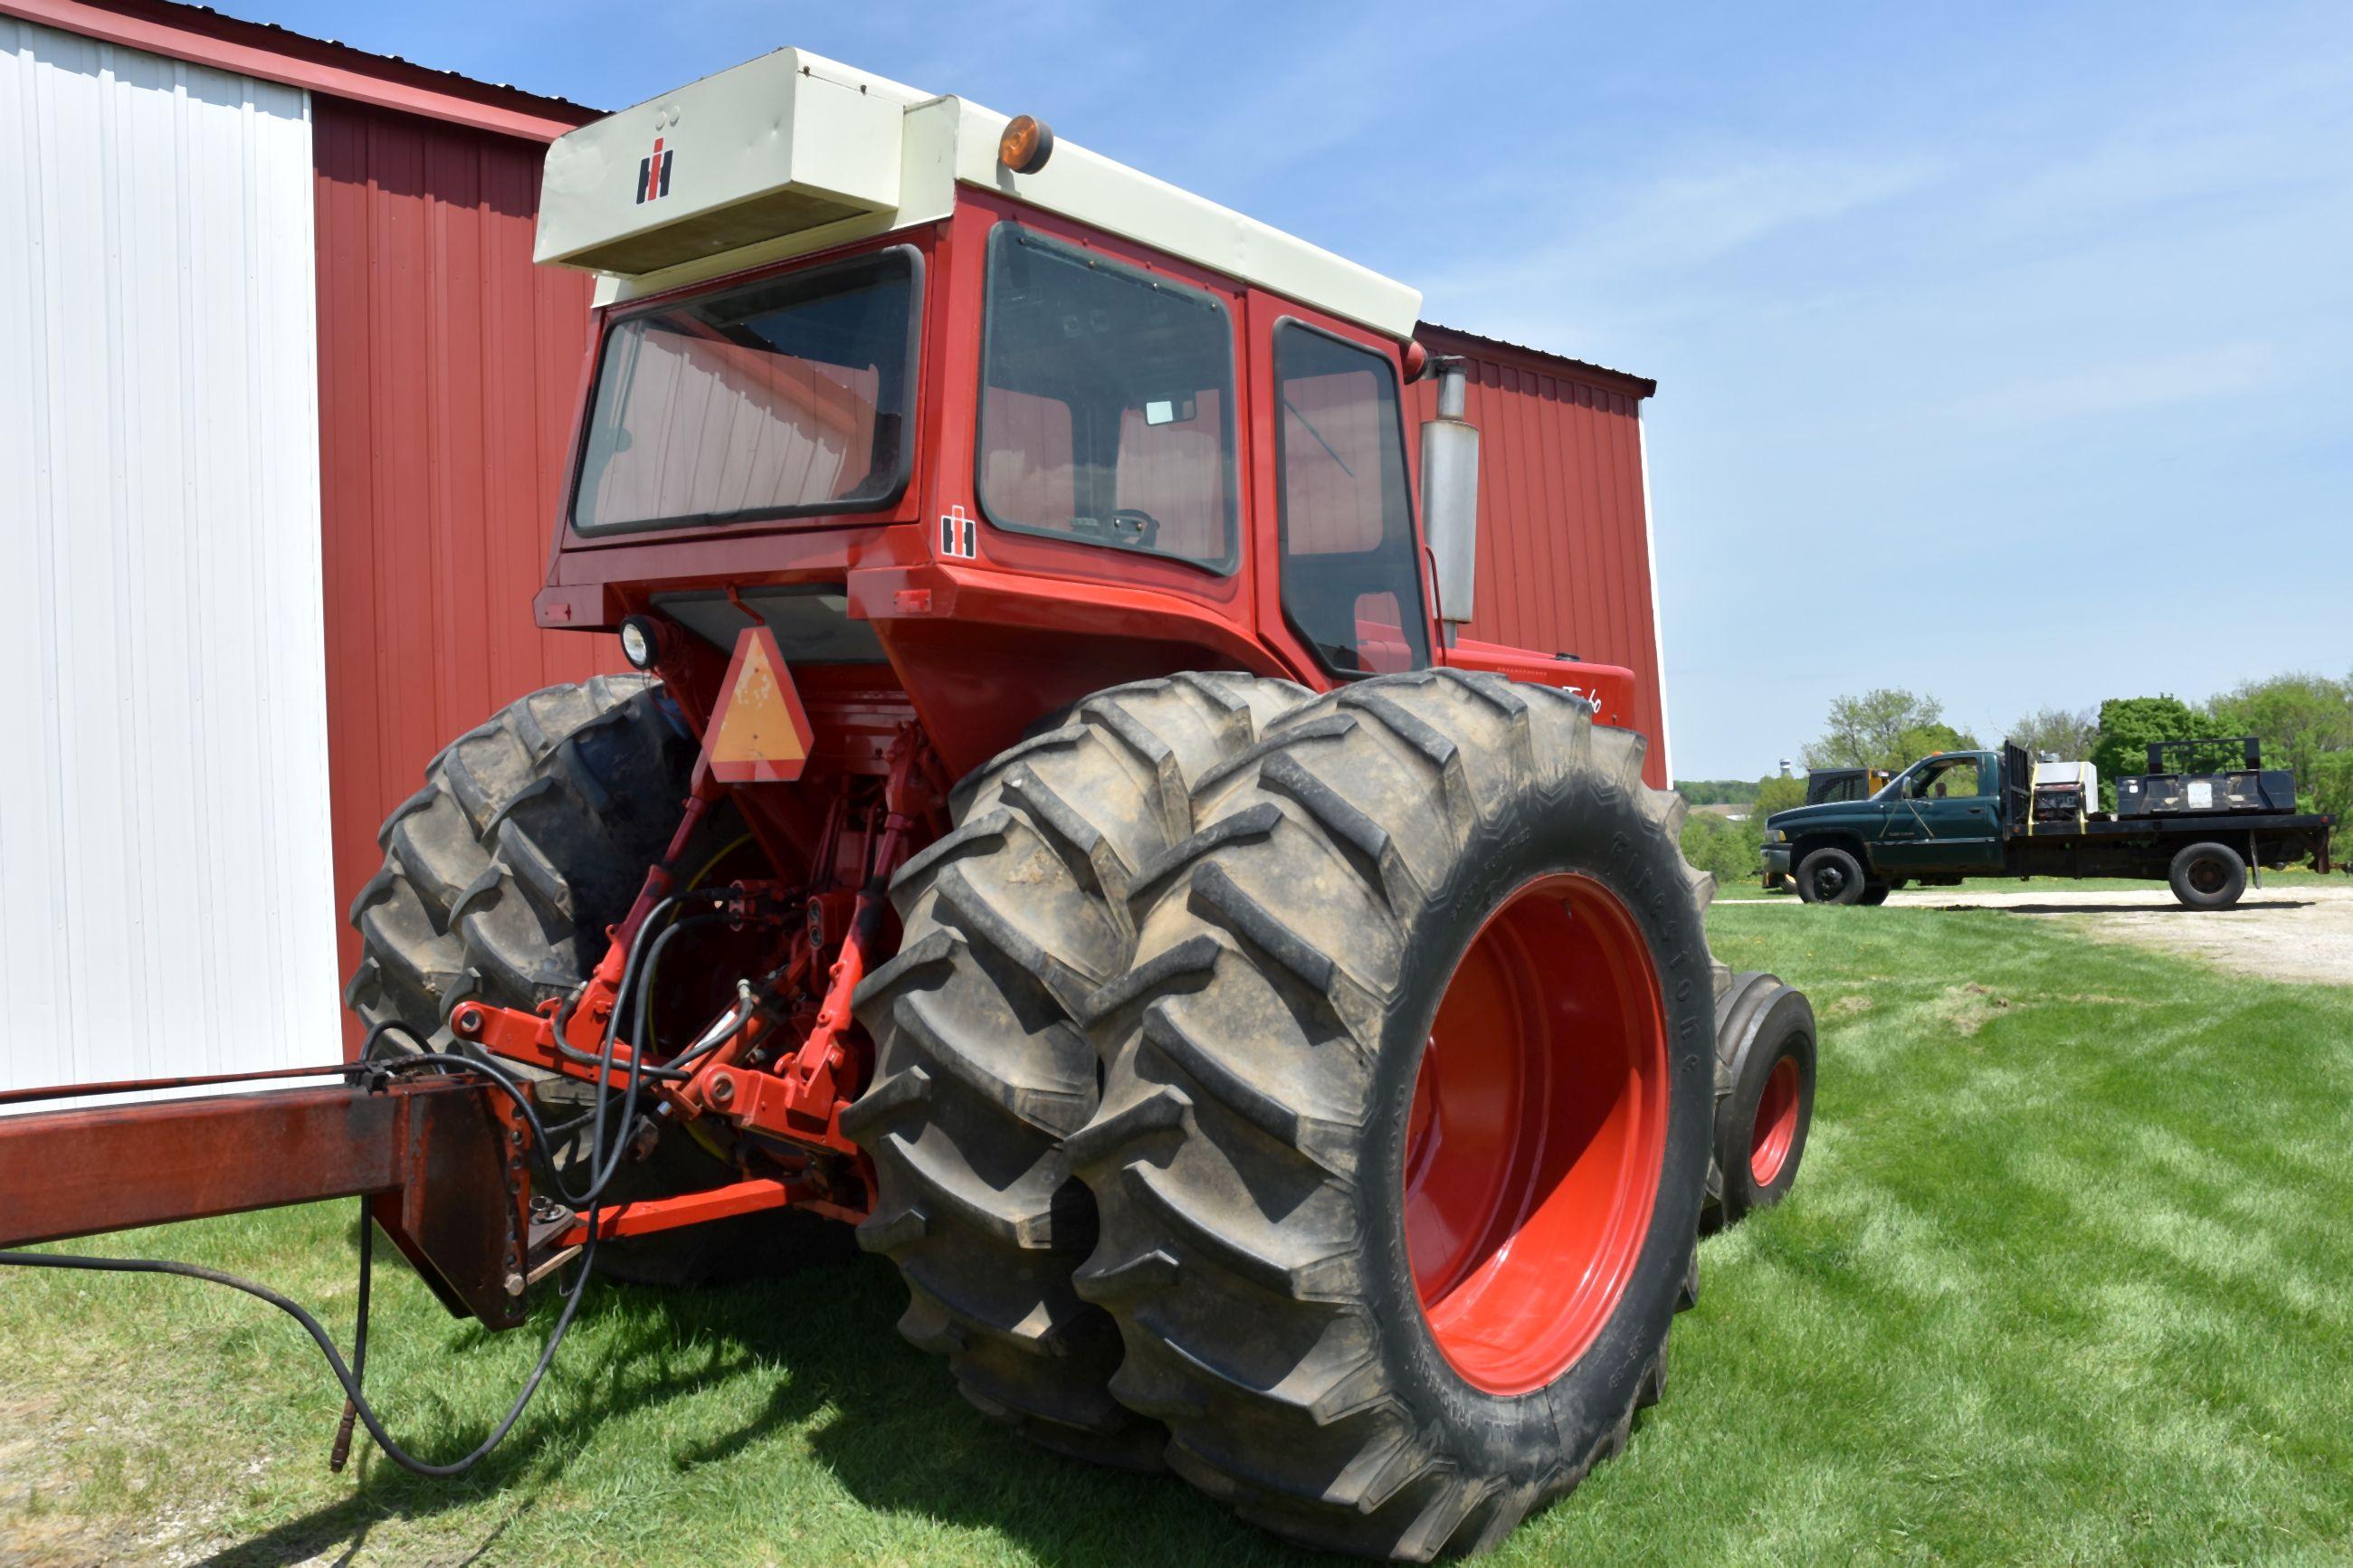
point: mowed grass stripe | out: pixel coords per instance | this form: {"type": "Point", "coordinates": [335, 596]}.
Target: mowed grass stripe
{"type": "Point", "coordinates": [2066, 1279]}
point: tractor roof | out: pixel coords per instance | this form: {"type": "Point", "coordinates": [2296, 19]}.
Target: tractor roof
{"type": "Point", "coordinates": [792, 152]}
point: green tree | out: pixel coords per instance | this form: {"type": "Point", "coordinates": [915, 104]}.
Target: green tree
{"type": "Point", "coordinates": [2070, 732]}
{"type": "Point", "coordinates": [1886, 728]}
{"type": "Point", "coordinates": [1730, 850]}
{"type": "Point", "coordinates": [2328, 787]}
{"type": "Point", "coordinates": [1926, 740]}
{"type": "Point", "coordinates": [1716, 792]}
{"type": "Point", "coordinates": [2300, 719]}
{"type": "Point", "coordinates": [2127, 726]}
{"type": "Point", "coordinates": [1778, 794]}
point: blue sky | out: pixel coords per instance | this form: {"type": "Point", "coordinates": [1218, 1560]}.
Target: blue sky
{"type": "Point", "coordinates": [2005, 352]}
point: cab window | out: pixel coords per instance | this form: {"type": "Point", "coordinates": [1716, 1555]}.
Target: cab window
{"type": "Point", "coordinates": [1944, 778]}
{"type": "Point", "coordinates": [1106, 403]}
{"type": "Point", "coordinates": [1351, 580]}
{"type": "Point", "coordinates": [785, 397]}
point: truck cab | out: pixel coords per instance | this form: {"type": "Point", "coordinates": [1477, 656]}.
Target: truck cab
{"type": "Point", "coordinates": [1940, 818]}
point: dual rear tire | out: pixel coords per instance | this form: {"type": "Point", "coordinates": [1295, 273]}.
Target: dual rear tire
{"type": "Point", "coordinates": [1253, 1069]}
{"type": "Point", "coordinates": [501, 878]}
{"type": "Point", "coordinates": [1404, 1021]}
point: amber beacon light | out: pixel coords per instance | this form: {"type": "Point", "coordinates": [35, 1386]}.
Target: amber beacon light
{"type": "Point", "coordinates": [1026, 145]}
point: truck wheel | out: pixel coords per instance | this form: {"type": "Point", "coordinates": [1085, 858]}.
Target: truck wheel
{"type": "Point", "coordinates": [1830, 876]}
{"type": "Point", "coordinates": [532, 836]}
{"type": "Point", "coordinates": [1010, 921]}
{"type": "Point", "coordinates": [2207, 876]}
{"type": "Point", "coordinates": [1405, 1128]}
{"type": "Point", "coordinates": [1765, 1092]}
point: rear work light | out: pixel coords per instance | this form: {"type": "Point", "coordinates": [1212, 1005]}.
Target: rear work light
{"type": "Point", "coordinates": [641, 642]}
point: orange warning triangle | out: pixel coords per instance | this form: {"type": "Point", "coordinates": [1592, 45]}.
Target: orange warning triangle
{"type": "Point", "coordinates": [760, 733]}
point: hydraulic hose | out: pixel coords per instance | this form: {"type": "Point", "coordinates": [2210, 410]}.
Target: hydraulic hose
{"type": "Point", "coordinates": [344, 1373]}
{"type": "Point", "coordinates": [601, 1170]}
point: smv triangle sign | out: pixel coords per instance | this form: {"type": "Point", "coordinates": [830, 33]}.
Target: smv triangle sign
{"type": "Point", "coordinates": [759, 733]}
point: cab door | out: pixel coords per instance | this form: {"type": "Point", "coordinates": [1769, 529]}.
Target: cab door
{"type": "Point", "coordinates": [1342, 558]}
{"type": "Point", "coordinates": [1899, 835]}
{"type": "Point", "coordinates": [1959, 814]}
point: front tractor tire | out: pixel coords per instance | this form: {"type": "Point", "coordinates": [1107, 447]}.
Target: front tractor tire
{"type": "Point", "coordinates": [1406, 1129]}
{"type": "Point", "coordinates": [1010, 923]}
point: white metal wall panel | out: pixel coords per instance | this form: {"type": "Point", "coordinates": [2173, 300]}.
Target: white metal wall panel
{"type": "Point", "coordinates": [165, 883]}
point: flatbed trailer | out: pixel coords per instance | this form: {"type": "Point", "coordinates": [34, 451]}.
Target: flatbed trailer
{"type": "Point", "coordinates": [1961, 815]}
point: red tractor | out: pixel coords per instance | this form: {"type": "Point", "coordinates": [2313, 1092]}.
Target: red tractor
{"type": "Point", "coordinates": [1059, 829]}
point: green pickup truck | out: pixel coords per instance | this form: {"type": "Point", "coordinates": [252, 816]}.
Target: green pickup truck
{"type": "Point", "coordinates": [1972, 814]}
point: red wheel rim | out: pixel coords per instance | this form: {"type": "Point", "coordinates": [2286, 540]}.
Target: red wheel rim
{"type": "Point", "coordinates": [1538, 1135]}
{"type": "Point", "coordinates": [1777, 1122]}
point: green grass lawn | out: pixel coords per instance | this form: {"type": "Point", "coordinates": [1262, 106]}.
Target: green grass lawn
{"type": "Point", "coordinates": [2067, 1277]}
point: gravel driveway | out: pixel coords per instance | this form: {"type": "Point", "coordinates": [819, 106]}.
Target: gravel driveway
{"type": "Point", "coordinates": [2287, 931]}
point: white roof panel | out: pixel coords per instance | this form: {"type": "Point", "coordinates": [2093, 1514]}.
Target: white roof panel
{"type": "Point", "coordinates": [792, 152]}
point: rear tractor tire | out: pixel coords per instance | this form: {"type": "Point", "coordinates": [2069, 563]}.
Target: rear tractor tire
{"type": "Point", "coordinates": [1010, 923]}
{"type": "Point", "coordinates": [1765, 1054]}
{"type": "Point", "coordinates": [1406, 1129]}
{"type": "Point", "coordinates": [532, 836]}
{"type": "Point", "coordinates": [2207, 876]}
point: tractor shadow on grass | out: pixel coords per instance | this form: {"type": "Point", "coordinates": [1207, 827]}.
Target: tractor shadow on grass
{"type": "Point", "coordinates": [809, 1374]}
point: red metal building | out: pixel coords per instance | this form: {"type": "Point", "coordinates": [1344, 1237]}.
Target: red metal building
{"type": "Point", "coordinates": [1566, 563]}
{"type": "Point", "coordinates": [447, 367]}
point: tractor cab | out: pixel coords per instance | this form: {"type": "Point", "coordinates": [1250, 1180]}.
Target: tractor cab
{"type": "Point", "coordinates": [904, 381]}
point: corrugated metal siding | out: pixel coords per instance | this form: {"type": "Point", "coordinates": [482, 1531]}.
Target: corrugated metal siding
{"type": "Point", "coordinates": [165, 904]}
{"type": "Point", "coordinates": [448, 370]}
{"type": "Point", "coordinates": [1564, 550]}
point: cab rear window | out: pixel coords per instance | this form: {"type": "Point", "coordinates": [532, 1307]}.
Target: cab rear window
{"type": "Point", "coordinates": [784, 398]}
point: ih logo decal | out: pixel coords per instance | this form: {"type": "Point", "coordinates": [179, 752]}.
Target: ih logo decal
{"type": "Point", "coordinates": [959, 534]}
{"type": "Point", "coordinates": [653, 174]}
{"type": "Point", "coordinates": [760, 733]}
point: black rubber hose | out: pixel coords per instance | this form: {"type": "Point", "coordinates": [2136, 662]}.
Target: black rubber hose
{"type": "Point", "coordinates": [601, 1171]}
{"type": "Point", "coordinates": [428, 1059]}
{"type": "Point", "coordinates": [572, 1053]}
{"type": "Point", "coordinates": [343, 1374]}
{"type": "Point", "coordinates": [603, 1166]}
